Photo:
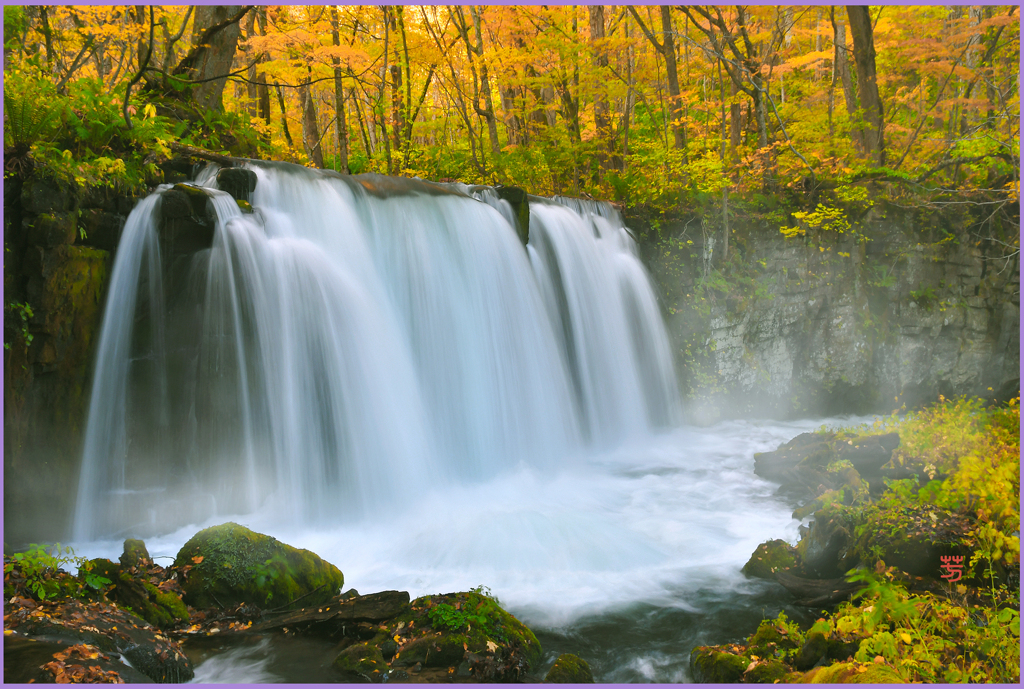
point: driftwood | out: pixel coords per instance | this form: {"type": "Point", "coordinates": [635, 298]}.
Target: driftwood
{"type": "Point", "coordinates": [814, 592]}
{"type": "Point", "coordinates": [204, 154]}
{"type": "Point", "coordinates": [374, 607]}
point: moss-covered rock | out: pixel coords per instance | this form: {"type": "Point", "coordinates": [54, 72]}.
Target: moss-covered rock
{"type": "Point", "coordinates": [851, 673]}
{"type": "Point", "coordinates": [569, 669]}
{"type": "Point", "coordinates": [772, 640]}
{"type": "Point", "coordinates": [135, 554]}
{"type": "Point", "coordinates": [362, 663]}
{"type": "Point", "coordinates": [767, 672]}
{"type": "Point", "coordinates": [814, 649]}
{"type": "Point", "coordinates": [226, 565]}
{"type": "Point", "coordinates": [769, 558]}
{"type": "Point", "coordinates": [708, 665]}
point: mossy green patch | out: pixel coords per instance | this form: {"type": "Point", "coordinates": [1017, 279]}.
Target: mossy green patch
{"type": "Point", "coordinates": [769, 558]}
{"type": "Point", "coordinates": [852, 673]}
{"type": "Point", "coordinates": [229, 564]}
{"type": "Point", "coordinates": [569, 669]}
{"type": "Point", "coordinates": [766, 673]}
{"type": "Point", "coordinates": [362, 662]}
{"type": "Point", "coordinates": [711, 666]}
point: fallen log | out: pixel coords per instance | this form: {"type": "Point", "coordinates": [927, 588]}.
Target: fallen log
{"type": "Point", "coordinates": [374, 607]}
{"type": "Point", "coordinates": [815, 592]}
{"type": "Point", "coordinates": [205, 155]}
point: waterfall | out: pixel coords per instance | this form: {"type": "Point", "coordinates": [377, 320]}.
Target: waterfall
{"type": "Point", "coordinates": [357, 341]}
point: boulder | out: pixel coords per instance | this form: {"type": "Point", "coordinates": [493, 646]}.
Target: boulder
{"type": "Point", "coordinates": [711, 666]}
{"type": "Point", "coordinates": [240, 182]}
{"type": "Point", "coordinates": [771, 557]}
{"type": "Point", "coordinates": [105, 629]}
{"type": "Point", "coordinates": [519, 200]}
{"type": "Point", "coordinates": [362, 663]}
{"type": "Point", "coordinates": [102, 229]}
{"type": "Point", "coordinates": [52, 229]}
{"type": "Point", "coordinates": [224, 566]}
{"type": "Point", "coordinates": [569, 669]}
{"type": "Point", "coordinates": [131, 588]}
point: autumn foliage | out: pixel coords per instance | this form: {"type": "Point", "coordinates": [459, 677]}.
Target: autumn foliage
{"type": "Point", "coordinates": [642, 104]}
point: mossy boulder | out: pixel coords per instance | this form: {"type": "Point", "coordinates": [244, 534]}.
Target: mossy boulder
{"type": "Point", "coordinates": [814, 649]}
{"type": "Point", "coordinates": [569, 669]}
{"type": "Point", "coordinates": [767, 672]}
{"type": "Point", "coordinates": [162, 609]}
{"type": "Point", "coordinates": [223, 566]}
{"type": "Point", "coordinates": [362, 663]}
{"type": "Point", "coordinates": [769, 558]}
{"type": "Point", "coordinates": [772, 641]}
{"type": "Point", "coordinates": [708, 665]}
{"type": "Point", "coordinates": [135, 554]}
{"type": "Point", "coordinates": [851, 673]}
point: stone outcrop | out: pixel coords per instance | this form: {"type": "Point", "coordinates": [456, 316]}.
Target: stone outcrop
{"type": "Point", "coordinates": [905, 306]}
{"type": "Point", "coordinates": [58, 242]}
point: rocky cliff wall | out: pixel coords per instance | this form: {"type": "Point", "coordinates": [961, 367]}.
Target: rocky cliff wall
{"type": "Point", "coordinates": [902, 306]}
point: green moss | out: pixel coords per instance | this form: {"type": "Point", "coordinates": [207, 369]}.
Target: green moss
{"type": "Point", "coordinates": [774, 638]}
{"type": "Point", "coordinates": [244, 206]}
{"type": "Point", "coordinates": [237, 565]}
{"type": "Point", "coordinates": [569, 669]}
{"type": "Point", "coordinates": [446, 650]}
{"type": "Point", "coordinates": [766, 673]}
{"type": "Point", "coordinates": [135, 553]}
{"type": "Point", "coordinates": [853, 673]}
{"type": "Point", "coordinates": [362, 661]}
{"type": "Point", "coordinates": [813, 650]}
{"type": "Point", "coordinates": [710, 666]}
{"type": "Point", "coordinates": [769, 558]}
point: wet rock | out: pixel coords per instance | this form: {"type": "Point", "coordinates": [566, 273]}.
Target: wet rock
{"type": "Point", "coordinates": [41, 195]}
{"type": "Point", "coordinates": [362, 663]}
{"type": "Point", "coordinates": [102, 228]}
{"type": "Point", "coordinates": [821, 549]}
{"type": "Point", "coordinates": [223, 566]}
{"type": "Point", "coordinates": [111, 630]}
{"type": "Point", "coordinates": [569, 669]}
{"type": "Point", "coordinates": [333, 615]}
{"type": "Point", "coordinates": [817, 592]}
{"type": "Point", "coordinates": [519, 200]}
{"type": "Point", "coordinates": [52, 229]}
{"type": "Point", "coordinates": [187, 222]}
{"type": "Point", "coordinates": [240, 182]}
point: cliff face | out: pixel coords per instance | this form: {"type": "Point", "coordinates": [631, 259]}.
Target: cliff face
{"type": "Point", "coordinates": [902, 307]}
{"type": "Point", "coordinates": [58, 242]}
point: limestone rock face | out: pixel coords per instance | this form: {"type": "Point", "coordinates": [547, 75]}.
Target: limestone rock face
{"type": "Point", "coordinates": [843, 324]}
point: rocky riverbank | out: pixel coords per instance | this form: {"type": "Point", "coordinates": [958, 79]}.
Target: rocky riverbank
{"type": "Point", "coordinates": [128, 621]}
{"type": "Point", "coordinates": [911, 557]}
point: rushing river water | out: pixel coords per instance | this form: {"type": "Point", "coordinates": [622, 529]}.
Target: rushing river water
{"type": "Point", "coordinates": [628, 559]}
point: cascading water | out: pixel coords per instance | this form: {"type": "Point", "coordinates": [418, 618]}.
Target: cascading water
{"type": "Point", "coordinates": [362, 340]}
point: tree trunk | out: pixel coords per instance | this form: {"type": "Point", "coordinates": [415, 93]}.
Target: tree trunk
{"type": "Point", "coordinates": [340, 120]}
{"type": "Point", "coordinates": [674, 99]}
{"type": "Point", "coordinates": [485, 86]}
{"type": "Point", "coordinates": [841, 74]}
{"type": "Point", "coordinates": [600, 63]}
{"type": "Point", "coordinates": [215, 33]}
{"type": "Point", "coordinates": [310, 131]}
{"type": "Point", "coordinates": [867, 86]}
{"type": "Point", "coordinates": [284, 116]}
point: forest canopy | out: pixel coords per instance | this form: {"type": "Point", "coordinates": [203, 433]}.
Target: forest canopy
{"type": "Point", "coordinates": [646, 105]}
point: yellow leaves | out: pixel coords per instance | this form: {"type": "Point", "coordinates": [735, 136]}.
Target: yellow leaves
{"type": "Point", "coordinates": [905, 638]}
